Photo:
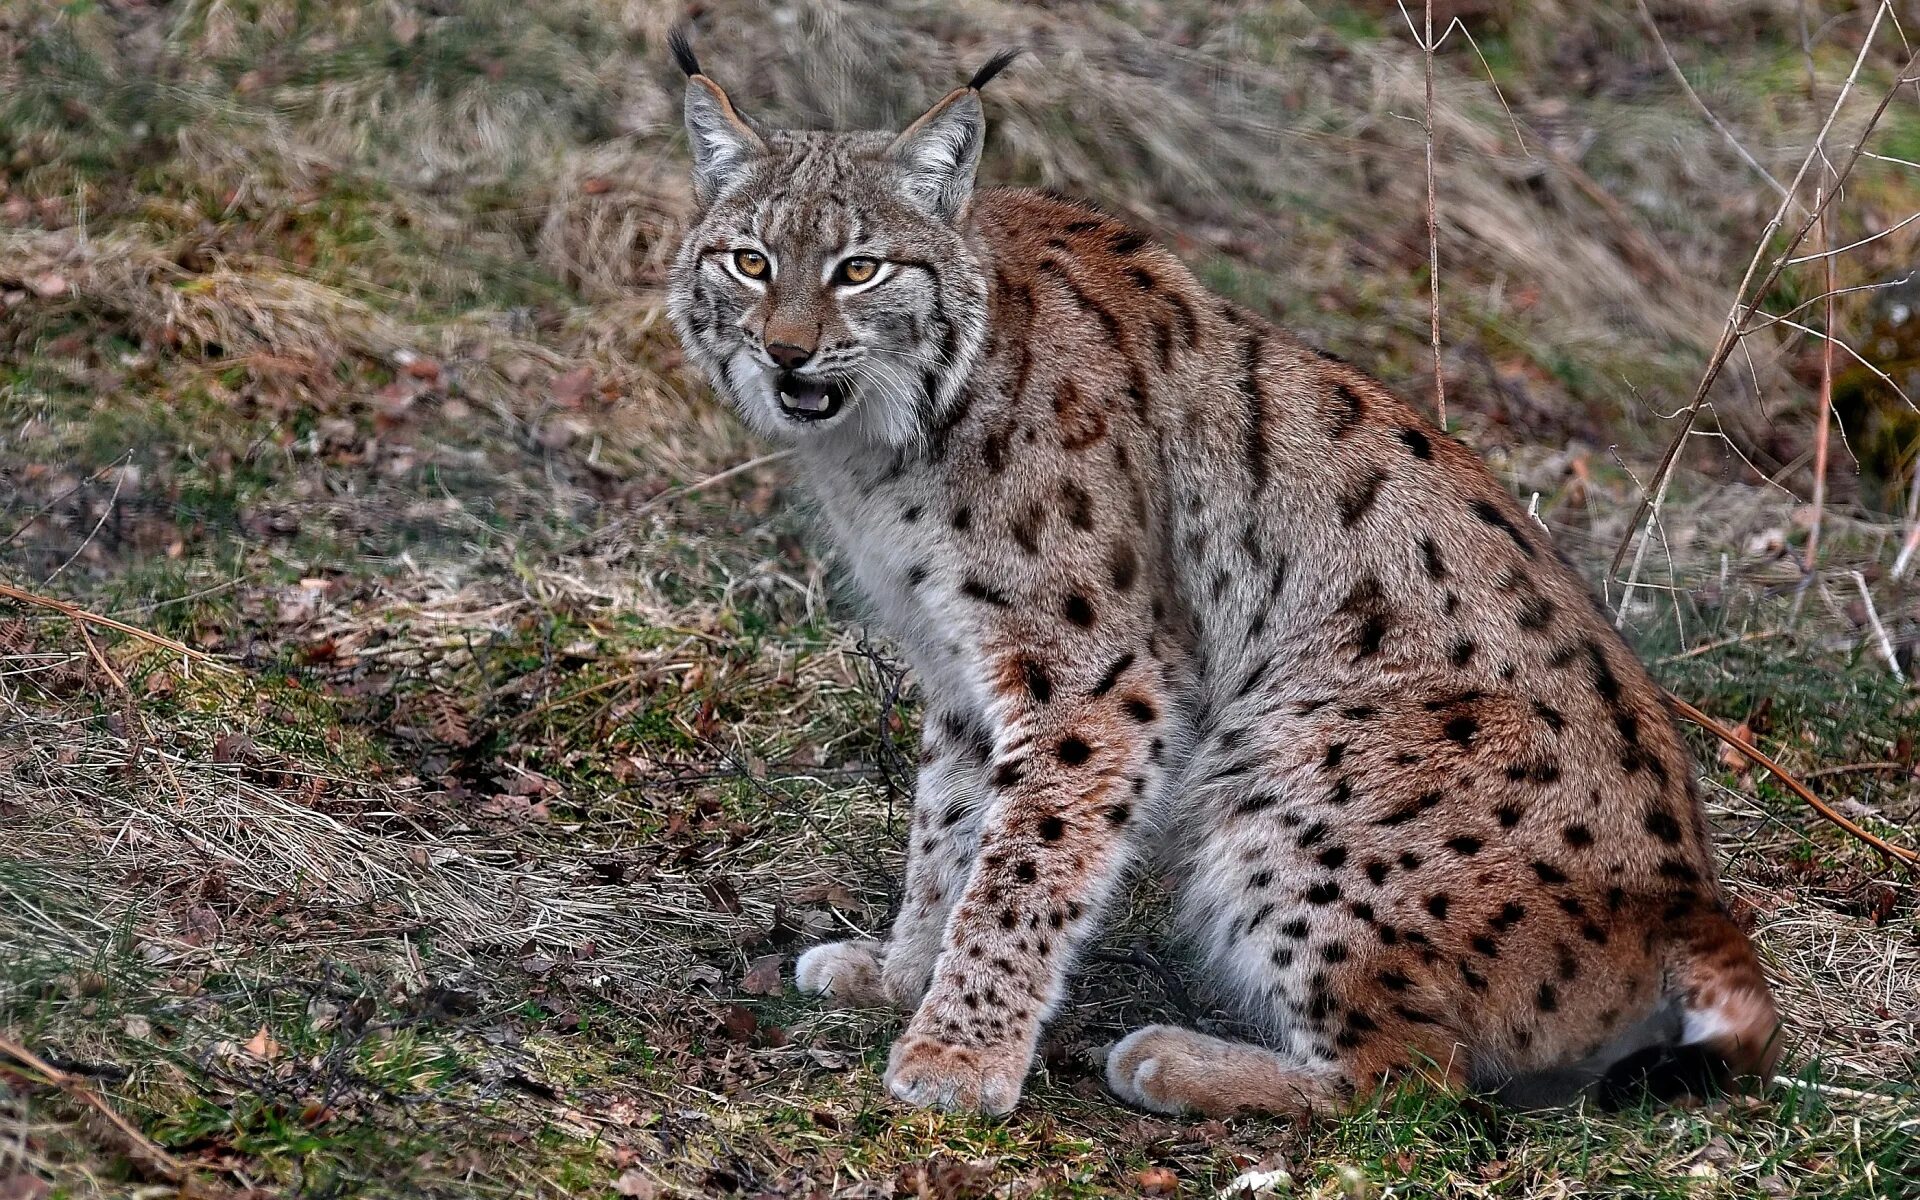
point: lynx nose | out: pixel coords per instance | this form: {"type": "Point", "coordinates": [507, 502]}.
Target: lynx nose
{"type": "Point", "coordinates": [788, 356]}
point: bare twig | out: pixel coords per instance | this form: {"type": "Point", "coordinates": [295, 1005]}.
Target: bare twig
{"type": "Point", "coordinates": [1743, 307]}
{"type": "Point", "coordinates": [142, 1146]}
{"type": "Point", "coordinates": [1673, 68]}
{"type": "Point", "coordinates": [1433, 234]}
{"type": "Point", "coordinates": [76, 613]}
{"type": "Point", "coordinates": [1906, 556]}
{"type": "Point", "coordinates": [1820, 437]}
{"type": "Point", "coordinates": [1880, 637]}
{"type": "Point", "coordinates": [1907, 857]}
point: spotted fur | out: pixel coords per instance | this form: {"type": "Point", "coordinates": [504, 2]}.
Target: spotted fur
{"type": "Point", "coordinates": [1174, 583]}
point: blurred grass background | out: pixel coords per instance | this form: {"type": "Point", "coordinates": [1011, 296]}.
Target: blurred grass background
{"type": "Point", "coordinates": [537, 738]}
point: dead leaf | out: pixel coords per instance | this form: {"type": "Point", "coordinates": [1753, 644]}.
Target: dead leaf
{"type": "Point", "coordinates": [262, 1046]}
{"type": "Point", "coordinates": [1158, 1181]}
{"type": "Point", "coordinates": [595, 186]}
{"type": "Point", "coordinates": [570, 389]}
{"type": "Point", "coordinates": [739, 1023]}
{"type": "Point", "coordinates": [722, 895]}
{"type": "Point", "coordinates": [22, 1186]}
{"type": "Point", "coordinates": [48, 285]}
{"type": "Point", "coordinates": [835, 894]}
{"type": "Point", "coordinates": [763, 977]}
{"type": "Point", "coordinates": [1731, 760]}
{"type": "Point", "coordinates": [635, 1183]}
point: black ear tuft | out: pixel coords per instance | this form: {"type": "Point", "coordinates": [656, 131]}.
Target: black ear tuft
{"type": "Point", "coordinates": [683, 52]}
{"type": "Point", "coordinates": [994, 66]}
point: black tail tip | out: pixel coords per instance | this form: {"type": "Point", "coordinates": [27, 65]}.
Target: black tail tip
{"type": "Point", "coordinates": [683, 52]}
{"type": "Point", "coordinates": [992, 67]}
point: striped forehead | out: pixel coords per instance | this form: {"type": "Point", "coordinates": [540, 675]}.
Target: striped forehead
{"type": "Point", "coordinates": [814, 200]}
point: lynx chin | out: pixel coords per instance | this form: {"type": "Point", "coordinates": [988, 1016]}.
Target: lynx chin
{"type": "Point", "coordinates": [1177, 586]}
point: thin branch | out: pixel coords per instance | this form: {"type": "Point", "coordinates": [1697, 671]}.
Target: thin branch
{"type": "Point", "coordinates": [1646, 18]}
{"type": "Point", "coordinates": [142, 1146]}
{"type": "Point", "coordinates": [1794, 262]}
{"type": "Point", "coordinates": [76, 613]}
{"type": "Point", "coordinates": [1433, 225]}
{"type": "Point", "coordinates": [1820, 438]}
{"type": "Point", "coordinates": [1729, 335]}
{"type": "Point", "coordinates": [1880, 637]}
{"type": "Point", "coordinates": [1907, 857]}
{"type": "Point", "coordinates": [1906, 556]}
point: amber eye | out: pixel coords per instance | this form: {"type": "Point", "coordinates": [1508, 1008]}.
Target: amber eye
{"type": "Point", "coordinates": [750, 263]}
{"type": "Point", "coordinates": [857, 270]}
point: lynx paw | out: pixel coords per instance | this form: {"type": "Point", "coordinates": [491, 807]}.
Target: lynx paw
{"type": "Point", "coordinates": [1166, 1069]}
{"type": "Point", "coordinates": [846, 973]}
{"type": "Point", "coordinates": [929, 1073]}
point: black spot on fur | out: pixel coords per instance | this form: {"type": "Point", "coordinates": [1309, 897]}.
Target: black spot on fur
{"type": "Point", "coordinates": [1577, 836]}
{"type": "Point", "coordinates": [1417, 442]}
{"type": "Point", "coordinates": [1465, 844]}
{"type": "Point", "coordinates": [1052, 829]}
{"type": "Point", "coordinates": [1079, 505]}
{"type": "Point", "coordinates": [1334, 952]}
{"type": "Point", "coordinates": [1546, 999]}
{"type": "Point", "coordinates": [1430, 559]}
{"type": "Point", "coordinates": [1139, 709]}
{"type": "Point", "coordinates": [1409, 861]}
{"type": "Point", "coordinates": [1489, 512]}
{"type": "Point", "coordinates": [1024, 871]}
{"type": "Point", "coordinates": [1410, 810]}
{"type": "Point", "coordinates": [1349, 411]}
{"type": "Point", "coordinates": [1509, 815]}
{"type": "Point", "coordinates": [1038, 685]}
{"type": "Point", "coordinates": [1462, 729]}
{"type": "Point", "coordinates": [1358, 500]}
{"type": "Point", "coordinates": [1437, 905]}
{"type": "Point", "coordinates": [1125, 569]}
{"type": "Point", "coordinates": [1072, 751]}
{"type": "Point", "coordinates": [1323, 893]}
{"type": "Point", "coordinates": [976, 590]}
{"type": "Point", "coordinates": [1550, 715]}
{"type": "Point", "coordinates": [1078, 610]}
{"type": "Point", "coordinates": [917, 575]}
{"type": "Point", "coordinates": [1462, 652]}
{"type": "Point", "coordinates": [1548, 873]}
{"type": "Point", "coordinates": [1660, 823]}
{"type": "Point", "coordinates": [962, 518]}
{"type": "Point", "coordinates": [1333, 857]}
{"type": "Point", "coordinates": [1509, 915]}
{"type": "Point", "coordinates": [1473, 979]}
{"type": "Point", "coordinates": [1113, 674]}
{"type": "Point", "coordinates": [1377, 871]}
{"type": "Point", "coordinates": [1119, 814]}
{"type": "Point", "coordinates": [1006, 775]}
{"type": "Point", "coordinates": [1335, 752]}
{"type": "Point", "coordinates": [1536, 613]}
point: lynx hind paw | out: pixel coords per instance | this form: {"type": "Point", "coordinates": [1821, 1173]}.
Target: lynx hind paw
{"type": "Point", "coordinates": [846, 973]}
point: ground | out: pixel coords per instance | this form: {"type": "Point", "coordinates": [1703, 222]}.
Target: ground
{"type": "Point", "coordinates": [459, 729]}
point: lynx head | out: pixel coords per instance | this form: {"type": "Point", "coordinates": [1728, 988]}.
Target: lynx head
{"type": "Point", "coordinates": [826, 284]}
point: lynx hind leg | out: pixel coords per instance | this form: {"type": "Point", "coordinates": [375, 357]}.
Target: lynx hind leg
{"type": "Point", "coordinates": [1167, 1069]}
{"type": "Point", "coordinates": [847, 973]}
{"type": "Point", "coordinates": [1725, 1004]}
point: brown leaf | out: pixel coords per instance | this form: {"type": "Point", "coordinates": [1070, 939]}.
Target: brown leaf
{"type": "Point", "coordinates": [595, 186]}
{"type": "Point", "coordinates": [1158, 1181]}
{"type": "Point", "coordinates": [423, 368]}
{"type": "Point", "coordinates": [1731, 759]}
{"type": "Point", "coordinates": [721, 895]}
{"type": "Point", "coordinates": [739, 1023]}
{"type": "Point", "coordinates": [763, 977]}
{"type": "Point", "coordinates": [570, 389]}
{"type": "Point", "coordinates": [835, 894]}
{"type": "Point", "coordinates": [22, 1186]}
{"type": "Point", "coordinates": [262, 1046]}
{"type": "Point", "coordinates": [637, 1184]}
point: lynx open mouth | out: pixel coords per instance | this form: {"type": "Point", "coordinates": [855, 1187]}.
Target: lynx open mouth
{"type": "Point", "coordinates": [810, 399]}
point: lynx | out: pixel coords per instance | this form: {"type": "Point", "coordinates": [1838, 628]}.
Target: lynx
{"type": "Point", "coordinates": [1176, 585]}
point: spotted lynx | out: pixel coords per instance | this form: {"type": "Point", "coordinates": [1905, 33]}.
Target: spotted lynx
{"type": "Point", "coordinates": [1176, 585]}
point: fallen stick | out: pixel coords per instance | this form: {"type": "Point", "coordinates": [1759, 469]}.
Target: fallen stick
{"type": "Point", "coordinates": [1907, 858]}
{"type": "Point", "coordinates": [140, 1144]}
{"type": "Point", "coordinates": [76, 613]}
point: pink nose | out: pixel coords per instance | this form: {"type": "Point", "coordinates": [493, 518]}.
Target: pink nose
{"type": "Point", "coordinates": [789, 357]}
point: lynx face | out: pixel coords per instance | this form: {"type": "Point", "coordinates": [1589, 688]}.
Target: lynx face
{"type": "Point", "coordinates": [825, 287]}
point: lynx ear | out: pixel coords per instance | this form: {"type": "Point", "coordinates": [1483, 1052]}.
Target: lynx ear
{"type": "Point", "coordinates": [939, 153]}
{"type": "Point", "coordinates": [720, 138]}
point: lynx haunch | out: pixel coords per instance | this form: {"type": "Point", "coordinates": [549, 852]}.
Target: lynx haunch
{"type": "Point", "coordinates": [1178, 586]}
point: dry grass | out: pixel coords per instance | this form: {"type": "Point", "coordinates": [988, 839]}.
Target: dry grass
{"type": "Point", "coordinates": [332, 347]}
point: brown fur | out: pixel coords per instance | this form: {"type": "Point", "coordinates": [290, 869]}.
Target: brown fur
{"type": "Point", "coordinates": [1175, 583]}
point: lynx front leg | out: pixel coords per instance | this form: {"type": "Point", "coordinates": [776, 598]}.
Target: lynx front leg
{"type": "Point", "coordinates": [949, 799]}
{"type": "Point", "coordinates": [1076, 752]}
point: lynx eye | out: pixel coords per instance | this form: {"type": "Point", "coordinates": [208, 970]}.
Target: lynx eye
{"type": "Point", "coordinates": [857, 270]}
{"type": "Point", "coordinates": [750, 263]}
